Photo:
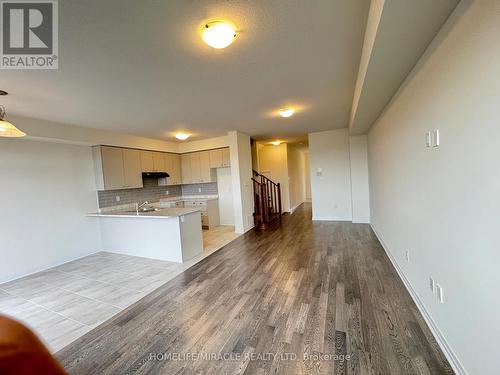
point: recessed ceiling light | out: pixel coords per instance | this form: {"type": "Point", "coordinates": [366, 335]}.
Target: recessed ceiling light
{"type": "Point", "coordinates": [276, 143]}
{"type": "Point", "coordinates": [182, 136]}
{"type": "Point", "coordinates": [218, 34]}
{"type": "Point", "coordinates": [287, 112]}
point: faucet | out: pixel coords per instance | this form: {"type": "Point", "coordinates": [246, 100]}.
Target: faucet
{"type": "Point", "coordinates": [139, 206]}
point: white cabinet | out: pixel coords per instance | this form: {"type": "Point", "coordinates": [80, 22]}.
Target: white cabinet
{"type": "Point", "coordinates": [117, 168]}
{"type": "Point", "coordinates": [226, 159]}
{"type": "Point", "coordinates": [186, 169]}
{"type": "Point", "coordinates": [219, 158]}
{"type": "Point", "coordinates": [152, 161]}
{"type": "Point", "coordinates": [173, 168]}
{"type": "Point", "coordinates": [209, 210]}
{"type": "Point", "coordinates": [196, 168]}
{"type": "Point", "coordinates": [132, 168]}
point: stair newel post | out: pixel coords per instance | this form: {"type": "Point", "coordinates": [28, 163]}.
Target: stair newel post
{"type": "Point", "coordinates": [279, 200]}
{"type": "Point", "coordinates": [264, 203]}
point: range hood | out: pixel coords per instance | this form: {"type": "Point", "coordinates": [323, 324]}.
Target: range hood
{"type": "Point", "coordinates": [155, 174]}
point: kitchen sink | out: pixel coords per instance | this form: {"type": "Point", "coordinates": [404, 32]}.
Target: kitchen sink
{"type": "Point", "coordinates": [145, 209]}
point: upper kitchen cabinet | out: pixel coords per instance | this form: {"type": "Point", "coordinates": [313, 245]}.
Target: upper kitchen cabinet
{"type": "Point", "coordinates": [186, 169]}
{"type": "Point", "coordinates": [195, 167]}
{"type": "Point", "coordinates": [173, 168]}
{"type": "Point", "coordinates": [219, 158]}
{"type": "Point", "coordinates": [147, 164]}
{"type": "Point", "coordinates": [132, 171]}
{"type": "Point", "coordinates": [215, 158]}
{"type": "Point", "coordinates": [152, 161]}
{"type": "Point", "coordinates": [205, 171]}
{"type": "Point", "coordinates": [117, 168]}
{"type": "Point", "coordinates": [226, 159]}
{"type": "Point", "coordinates": [159, 162]}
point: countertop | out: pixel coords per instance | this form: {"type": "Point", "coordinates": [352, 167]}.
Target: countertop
{"type": "Point", "coordinates": [162, 213]}
{"type": "Point", "coordinates": [190, 198]}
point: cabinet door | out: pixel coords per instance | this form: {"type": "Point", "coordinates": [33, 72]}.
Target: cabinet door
{"type": "Point", "coordinates": [226, 160]}
{"type": "Point", "coordinates": [176, 163]}
{"type": "Point", "coordinates": [205, 173]}
{"type": "Point", "coordinates": [195, 167]}
{"type": "Point", "coordinates": [186, 169]}
{"type": "Point", "coordinates": [147, 164]}
{"type": "Point", "coordinates": [216, 158]}
{"type": "Point", "coordinates": [112, 168]}
{"type": "Point", "coordinates": [168, 165]}
{"type": "Point", "coordinates": [132, 168]}
{"type": "Point", "coordinates": [158, 162]}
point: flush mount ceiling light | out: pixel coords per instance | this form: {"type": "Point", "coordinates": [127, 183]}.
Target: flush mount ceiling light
{"type": "Point", "coordinates": [6, 128]}
{"type": "Point", "coordinates": [287, 112]}
{"type": "Point", "coordinates": [276, 143]}
{"type": "Point", "coordinates": [182, 136]}
{"type": "Point", "coordinates": [218, 34]}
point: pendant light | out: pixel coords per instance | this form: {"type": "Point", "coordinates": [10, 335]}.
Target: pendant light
{"type": "Point", "coordinates": [6, 128]}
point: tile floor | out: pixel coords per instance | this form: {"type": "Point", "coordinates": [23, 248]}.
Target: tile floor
{"type": "Point", "coordinates": [64, 302]}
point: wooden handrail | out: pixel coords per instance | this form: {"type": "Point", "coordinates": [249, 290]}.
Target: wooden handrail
{"type": "Point", "coordinates": [267, 200]}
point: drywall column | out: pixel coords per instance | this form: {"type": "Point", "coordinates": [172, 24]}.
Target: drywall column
{"type": "Point", "coordinates": [358, 150]}
{"type": "Point", "coordinates": [241, 174]}
{"type": "Point", "coordinates": [330, 175]}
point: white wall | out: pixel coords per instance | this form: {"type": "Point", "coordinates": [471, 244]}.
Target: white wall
{"type": "Point", "coordinates": [204, 144]}
{"type": "Point", "coordinates": [296, 176]}
{"type": "Point", "coordinates": [225, 189]}
{"type": "Point", "coordinates": [273, 163]}
{"type": "Point", "coordinates": [62, 133]}
{"type": "Point", "coordinates": [46, 189]}
{"type": "Point", "coordinates": [241, 174]}
{"type": "Point", "coordinates": [359, 179]}
{"type": "Point", "coordinates": [307, 173]}
{"type": "Point", "coordinates": [331, 192]}
{"type": "Point", "coordinates": [443, 203]}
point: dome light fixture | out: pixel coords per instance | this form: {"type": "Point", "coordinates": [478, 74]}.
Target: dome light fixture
{"type": "Point", "coordinates": [6, 128]}
{"type": "Point", "coordinates": [218, 34]}
{"type": "Point", "coordinates": [287, 112]}
{"type": "Point", "coordinates": [182, 136]}
{"type": "Point", "coordinates": [276, 143]}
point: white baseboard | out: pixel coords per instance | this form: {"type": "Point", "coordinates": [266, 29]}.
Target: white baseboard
{"type": "Point", "coordinates": [292, 210]}
{"type": "Point", "coordinates": [330, 218]}
{"type": "Point", "coordinates": [440, 339]}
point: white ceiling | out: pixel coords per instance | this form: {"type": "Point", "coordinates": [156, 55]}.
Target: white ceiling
{"type": "Point", "coordinates": [404, 30]}
{"type": "Point", "coordinates": [140, 67]}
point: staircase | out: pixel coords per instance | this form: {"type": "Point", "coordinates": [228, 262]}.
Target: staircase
{"type": "Point", "coordinates": [267, 201]}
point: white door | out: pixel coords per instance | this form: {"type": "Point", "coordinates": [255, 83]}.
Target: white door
{"type": "Point", "coordinates": [225, 188]}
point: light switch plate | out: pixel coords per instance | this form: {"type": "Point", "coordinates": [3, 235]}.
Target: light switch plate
{"type": "Point", "coordinates": [440, 293]}
{"type": "Point", "coordinates": [428, 139]}
{"type": "Point", "coordinates": [436, 138]}
{"type": "Point", "coordinates": [117, 198]}
{"type": "Point", "coordinates": [432, 285]}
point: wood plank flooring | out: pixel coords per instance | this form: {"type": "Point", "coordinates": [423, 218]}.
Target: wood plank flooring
{"type": "Point", "coordinates": [306, 298]}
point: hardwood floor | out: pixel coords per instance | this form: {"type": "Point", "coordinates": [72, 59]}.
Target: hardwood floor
{"type": "Point", "coordinates": [306, 298]}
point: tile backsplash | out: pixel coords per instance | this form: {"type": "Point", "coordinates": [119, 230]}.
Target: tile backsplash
{"type": "Point", "coordinates": [151, 192]}
{"type": "Point", "coordinates": [200, 189]}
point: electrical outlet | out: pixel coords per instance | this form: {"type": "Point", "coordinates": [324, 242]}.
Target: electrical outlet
{"type": "Point", "coordinates": [167, 192]}
{"type": "Point", "coordinates": [432, 285]}
{"type": "Point", "coordinates": [407, 256]}
{"type": "Point", "coordinates": [117, 198]}
{"type": "Point", "coordinates": [440, 293]}
{"type": "Point", "coordinates": [199, 190]}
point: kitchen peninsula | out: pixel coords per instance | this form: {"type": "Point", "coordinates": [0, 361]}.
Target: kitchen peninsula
{"type": "Point", "coordinates": [171, 234]}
